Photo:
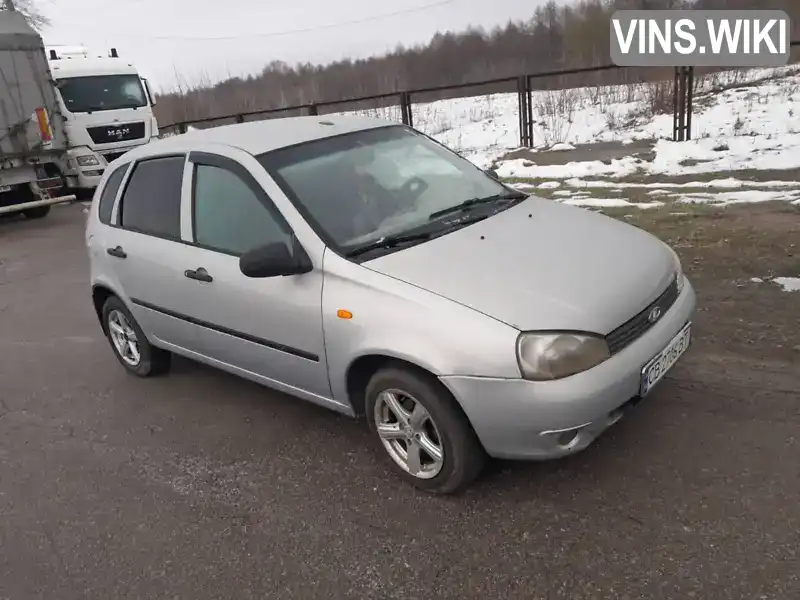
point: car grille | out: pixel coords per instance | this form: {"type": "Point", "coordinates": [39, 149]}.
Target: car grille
{"type": "Point", "coordinates": [631, 330]}
{"type": "Point", "coordinates": [108, 134]}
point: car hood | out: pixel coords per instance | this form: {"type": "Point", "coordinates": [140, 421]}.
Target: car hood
{"type": "Point", "coordinates": [541, 265]}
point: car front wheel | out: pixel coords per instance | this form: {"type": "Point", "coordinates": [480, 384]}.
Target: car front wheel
{"type": "Point", "coordinates": [421, 430]}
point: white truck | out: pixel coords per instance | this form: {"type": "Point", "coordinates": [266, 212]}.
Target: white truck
{"type": "Point", "coordinates": [107, 108]}
{"type": "Point", "coordinates": [64, 115]}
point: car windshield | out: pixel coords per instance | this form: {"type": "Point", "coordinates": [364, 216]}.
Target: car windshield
{"type": "Point", "coordinates": [362, 187]}
{"type": "Point", "coordinates": [102, 92]}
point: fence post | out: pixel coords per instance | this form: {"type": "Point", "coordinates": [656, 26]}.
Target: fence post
{"type": "Point", "coordinates": [675, 100]}
{"type": "Point", "coordinates": [524, 104]}
{"type": "Point", "coordinates": [689, 98]}
{"type": "Point", "coordinates": [529, 100]}
{"type": "Point", "coordinates": [405, 109]}
{"type": "Point", "coordinates": [313, 110]}
{"type": "Point", "coordinates": [683, 95]}
{"type": "Point", "coordinates": [682, 107]}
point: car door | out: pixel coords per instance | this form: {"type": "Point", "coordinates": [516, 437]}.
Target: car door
{"type": "Point", "coordinates": [144, 249]}
{"type": "Point", "coordinates": [271, 327]}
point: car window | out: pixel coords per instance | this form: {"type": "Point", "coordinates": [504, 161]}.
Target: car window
{"type": "Point", "coordinates": [362, 186]}
{"type": "Point", "coordinates": [109, 193]}
{"type": "Point", "coordinates": [151, 202]}
{"type": "Point", "coordinates": [229, 216]}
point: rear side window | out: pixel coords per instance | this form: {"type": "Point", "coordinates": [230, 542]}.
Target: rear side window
{"type": "Point", "coordinates": [109, 193]}
{"type": "Point", "coordinates": [151, 202]}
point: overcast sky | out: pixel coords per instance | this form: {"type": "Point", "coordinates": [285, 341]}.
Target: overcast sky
{"type": "Point", "coordinates": [217, 38]}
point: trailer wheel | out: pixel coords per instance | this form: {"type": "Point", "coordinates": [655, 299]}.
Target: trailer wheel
{"type": "Point", "coordinates": [36, 212]}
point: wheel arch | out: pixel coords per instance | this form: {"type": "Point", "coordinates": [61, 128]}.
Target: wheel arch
{"type": "Point", "coordinates": [363, 367]}
{"type": "Point", "coordinates": [101, 292]}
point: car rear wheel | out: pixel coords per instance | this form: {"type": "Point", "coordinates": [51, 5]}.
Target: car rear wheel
{"type": "Point", "coordinates": [421, 430]}
{"type": "Point", "coordinates": [129, 343]}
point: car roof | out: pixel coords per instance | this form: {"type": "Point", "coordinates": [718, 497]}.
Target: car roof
{"type": "Point", "coordinates": [258, 137]}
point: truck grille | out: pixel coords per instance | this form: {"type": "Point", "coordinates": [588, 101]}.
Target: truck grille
{"type": "Point", "coordinates": [631, 330]}
{"type": "Point", "coordinates": [108, 134]}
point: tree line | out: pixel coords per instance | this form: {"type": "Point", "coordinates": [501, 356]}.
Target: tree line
{"type": "Point", "coordinates": [556, 37]}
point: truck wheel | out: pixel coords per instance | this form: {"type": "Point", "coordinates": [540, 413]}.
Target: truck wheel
{"type": "Point", "coordinates": [36, 212]}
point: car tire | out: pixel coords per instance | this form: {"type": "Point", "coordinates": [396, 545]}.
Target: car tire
{"type": "Point", "coordinates": [440, 422]}
{"type": "Point", "coordinates": [37, 212]}
{"type": "Point", "coordinates": [129, 343]}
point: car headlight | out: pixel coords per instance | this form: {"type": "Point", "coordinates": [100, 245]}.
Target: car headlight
{"type": "Point", "coordinates": [554, 355]}
{"type": "Point", "coordinates": [678, 269]}
{"type": "Point", "coordinates": [87, 160]}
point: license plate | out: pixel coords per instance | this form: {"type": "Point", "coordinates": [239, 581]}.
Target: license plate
{"type": "Point", "coordinates": [5, 188]}
{"type": "Point", "coordinates": [664, 360]}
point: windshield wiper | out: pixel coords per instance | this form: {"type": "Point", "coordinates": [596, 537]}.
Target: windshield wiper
{"type": "Point", "coordinates": [467, 204]}
{"type": "Point", "coordinates": [390, 241]}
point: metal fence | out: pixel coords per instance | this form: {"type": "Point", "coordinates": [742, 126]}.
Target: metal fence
{"type": "Point", "coordinates": [523, 85]}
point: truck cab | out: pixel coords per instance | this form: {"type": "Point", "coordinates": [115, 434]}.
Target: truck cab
{"type": "Point", "coordinates": [107, 108]}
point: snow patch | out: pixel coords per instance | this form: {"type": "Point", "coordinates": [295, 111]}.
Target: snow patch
{"type": "Point", "coordinates": [743, 197]}
{"type": "Point", "coordinates": [789, 284]}
{"type": "Point", "coordinates": [610, 203]}
{"type": "Point", "coordinates": [727, 183]}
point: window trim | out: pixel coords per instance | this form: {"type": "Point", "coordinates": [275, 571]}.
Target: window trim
{"type": "Point", "coordinates": [201, 158]}
{"type": "Point", "coordinates": [124, 170]}
{"type": "Point", "coordinates": [132, 166]}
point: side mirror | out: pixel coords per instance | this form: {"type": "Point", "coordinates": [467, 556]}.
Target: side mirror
{"type": "Point", "coordinates": [492, 173]}
{"type": "Point", "coordinates": [274, 260]}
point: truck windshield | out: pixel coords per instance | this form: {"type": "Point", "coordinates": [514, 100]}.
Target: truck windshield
{"type": "Point", "coordinates": [102, 92]}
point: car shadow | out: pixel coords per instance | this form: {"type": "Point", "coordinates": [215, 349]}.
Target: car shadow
{"type": "Point", "coordinates": [600, 461]}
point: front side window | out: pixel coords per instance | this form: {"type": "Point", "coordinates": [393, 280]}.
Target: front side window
{"type": "Point", "coordinates": [229, 216]}
{"type": "Point", "coordinates": [380, 182]}
{"type": "Point", "coordinates": [102, 92]}
{"type": "Point", "coordinates": [109, 194]}
{"type": "Point", "coordinates": [151, 202]}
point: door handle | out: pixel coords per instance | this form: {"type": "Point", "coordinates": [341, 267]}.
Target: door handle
{"type": "Point", "coordinates": [117, 252]}
{"type": "Point", "coordinates": [199, 275]}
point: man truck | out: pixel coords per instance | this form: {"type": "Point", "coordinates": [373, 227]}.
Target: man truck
{"type": "Point", "coordinates": [64, 115]}
{"type": "Point", "coordinates": [107, 107]}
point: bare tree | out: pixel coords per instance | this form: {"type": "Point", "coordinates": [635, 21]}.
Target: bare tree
{"type": "Point", "coordinates": [28, 9]}
{"type": "Point", "coordinates": [560, 34]}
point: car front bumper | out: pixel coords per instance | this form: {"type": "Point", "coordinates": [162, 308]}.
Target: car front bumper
{"type": "Point", "coordinates": [520, 419]}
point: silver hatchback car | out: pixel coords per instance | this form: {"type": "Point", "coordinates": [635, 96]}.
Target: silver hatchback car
{"type": "Point", "coordinates": [363, 266]}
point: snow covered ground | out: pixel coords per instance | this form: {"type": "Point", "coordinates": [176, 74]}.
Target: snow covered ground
{"type": "Point", "coordinates": [743, 120]}
{"type": "Point", "coordinates": [759, 120]}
